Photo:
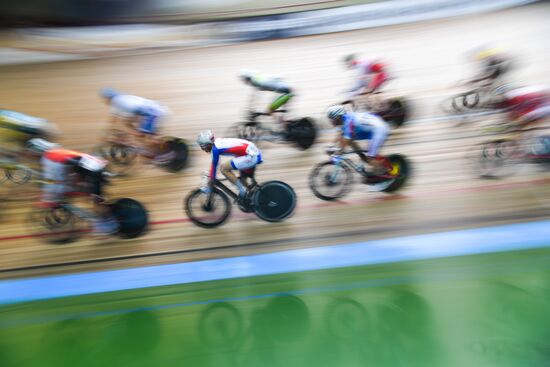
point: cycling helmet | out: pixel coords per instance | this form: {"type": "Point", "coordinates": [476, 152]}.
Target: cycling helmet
{"type": "Point", "coordinates": [39, 145]}
{"type": "Point", "coordinates": [246, 74]}
{"type": "Point", "coordinates": [108, 93]}
{"type": "Point", "coordinates": [350, 59]}
{"type": "Point", "coordinates": [205, 139]}
{"type": "Point", "coordinates": [335, 113]}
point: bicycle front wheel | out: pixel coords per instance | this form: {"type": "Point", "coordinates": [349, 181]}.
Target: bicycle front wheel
{"type": "Point", "coordinates": [207, 213]}
{"type": "Point", "coordinates": [57, 225]}
{"type": "Point", "coordinates": [329, 181]}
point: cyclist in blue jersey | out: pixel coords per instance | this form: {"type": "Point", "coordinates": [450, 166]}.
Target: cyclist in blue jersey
{"type": "Point", "coordinates": [356, 126]}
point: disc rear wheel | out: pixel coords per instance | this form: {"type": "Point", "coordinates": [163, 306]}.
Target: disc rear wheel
{"type": "Point", "coordinates": [274, 201]}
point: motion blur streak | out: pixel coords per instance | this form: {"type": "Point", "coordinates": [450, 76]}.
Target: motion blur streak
{"type": "Point", "coordinates": [433, 253]}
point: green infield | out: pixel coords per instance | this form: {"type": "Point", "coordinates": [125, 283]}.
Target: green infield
{"type": "Point", "coordinates": [477, 310]}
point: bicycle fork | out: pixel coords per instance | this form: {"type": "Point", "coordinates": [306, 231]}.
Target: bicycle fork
{"type": "Point", "coordinates": [338, 162]}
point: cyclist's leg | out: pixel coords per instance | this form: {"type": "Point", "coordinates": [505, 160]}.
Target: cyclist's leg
{"type": "Point", "coordinates": [379, 136]}
{"type": "Point", "coordinates": [280, 101]}
{"type": "Point", "coordinates": [375, 87]}
{"type": "Point", "coordinates": [149, 129]}
{"type": "Point", "coordinates": [105, 222]}
{"type": "Point", "coordinates": [239, 163]}
{"type": "Point", "coordinates": [56, 175]}
{"type": "Point", "coordinates": [285, 95]}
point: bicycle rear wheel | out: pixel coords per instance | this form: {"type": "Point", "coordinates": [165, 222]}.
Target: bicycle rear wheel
{"type": "Point", "coordinates": [132, 217]}
{"type": "Point", "coordinates": [274, 201]}
{"type": "Point", "coordinates": [181, 150]}
{"type": "Point", "coordinates": [302, 132]}
{"type": "Point", "coordinates": [401, 169]}
{"type": "Point", "coordinates": [207, 214]}
{"type": "Point", "coordinates": [397, 112]}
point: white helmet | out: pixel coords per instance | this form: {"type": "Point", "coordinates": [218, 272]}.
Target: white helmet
{"type": "Point", "coordinates": [39, 145]}
{"type": "Point", "coordinates": [205, 138]}
{"type": "Point", "coordinates": [336, 111]}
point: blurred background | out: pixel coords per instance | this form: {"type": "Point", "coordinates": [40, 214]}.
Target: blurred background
{"type": "Point", "coordinates": [449, 266]}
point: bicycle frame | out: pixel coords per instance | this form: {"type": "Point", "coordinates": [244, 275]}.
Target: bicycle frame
{"type": "Point", "coordinates": [339, 160]}
{"type": "Point", "coordinates": [226, 189]}
{"type": "Point", "coordinates": [219, 184]}
{"type": "Point", "coordinates": [79, 212]}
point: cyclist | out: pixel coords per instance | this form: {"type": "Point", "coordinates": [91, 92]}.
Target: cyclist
{"type": "Point", "coordinates": [69, 172]}
{"type": "Point", "coordinates": [17, 128]}
{"type": "Point", "coordinates": [372, 75]}
{"type": "Point", "coordinates": [270, 84]}
{"type": "Point", "coordinates": [493, 64]}
{"type": "Point", "coordinates": [143, 118]}
{"type": "Point", "coordinates": [361, 126]}
{"type": "Point", "coordinates": [246, 157]}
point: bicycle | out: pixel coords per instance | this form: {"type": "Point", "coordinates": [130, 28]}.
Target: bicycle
{"type": "Point", "coordinates": [62, 223]}
{"type": "Point", "coordinates": [482, 99]}
{"type": "Point", "coordinates": [495, 158]}
{"type": "Point", "coordinates": [336, 175]}
{"type": "Point", "coordinates": [122, 155]}
{"type": "Point", "coordinates": [301, 132]}
{"type": "Point", "coordinates": [272, 201]}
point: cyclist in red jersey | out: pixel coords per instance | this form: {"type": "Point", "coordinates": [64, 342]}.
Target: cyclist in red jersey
{"type": "Point", "coordinates": [71, 172]}
{"type": "Point", "coordinates": [246, 157]}
{"type": "Point", "coordinates": [372, 75]}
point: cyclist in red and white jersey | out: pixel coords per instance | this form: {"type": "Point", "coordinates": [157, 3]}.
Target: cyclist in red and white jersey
{"type": "Point", "coordinates": [246, 157]}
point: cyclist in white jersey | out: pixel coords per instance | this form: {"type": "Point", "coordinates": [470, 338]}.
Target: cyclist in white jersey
{"type": "Point", "coordinates": [143, 117]}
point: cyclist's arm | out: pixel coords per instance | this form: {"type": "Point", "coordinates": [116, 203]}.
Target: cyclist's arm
{"type": "Point", "coordinates": [117, 123]}
{"type": "Point", "coordinates": [357, 149]}
{"type": "Point", "coordinates": [338, 138]}
{"type": "Point", "coordinates": [214, 166]}
{"type": "Point", "coordinates": [341, 141]}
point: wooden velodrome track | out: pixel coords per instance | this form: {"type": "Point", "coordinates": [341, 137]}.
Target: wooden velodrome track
{"type": "Point", "coordinates": [202, 90]}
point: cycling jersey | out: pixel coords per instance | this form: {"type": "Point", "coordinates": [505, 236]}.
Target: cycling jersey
{"type": "Point", "coordinates": [365, 126]}
{"type": "Point", "coordinates": [17, 128]}
{"type": "Point", "coordinates": [366, 69]}
{"type": "Point", "coordinates": [528, 103]}
{"type": "Point", "coordinates": [271, 84]}
{"type": "Point", "coordinates": [128, 106]}
{"type": "Point", "coordinates": [55, 168]}
{"type": "Point", "coordinates": [246, 154]}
